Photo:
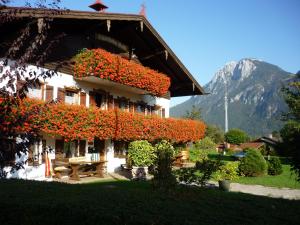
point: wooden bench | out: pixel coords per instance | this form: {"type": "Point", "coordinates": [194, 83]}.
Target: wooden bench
{"type": "Point", "coordinates": [60, 166]}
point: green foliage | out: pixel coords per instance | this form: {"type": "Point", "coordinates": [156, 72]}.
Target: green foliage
{"type": "Point", "coordinates": [163, 176]}
{"type": "Point", "coordinates": [141, 153]}
{"type": "Point", "coordinates": [215, 133]}
{"type": "Point", "coordinates": [227, 171]}
{"type": "Point", "coordinates": [198, 154]}
{"type": "Point", "coordinates": [199, 174]}
{"type": "Point", "coordinates": [274, 166]}
{"type": "Point", "coordinates": [236, 136]}
{"type": "Point", "coordinates": [267, 150]}
{"type": "Point", "coordinates": [253, 164]}
{"type": "Point", "coordinates": [290, 133]}
{"type": "Point", "coordinates": [194, 114]}
{"type": "Point", "coordinates": [205, 144]}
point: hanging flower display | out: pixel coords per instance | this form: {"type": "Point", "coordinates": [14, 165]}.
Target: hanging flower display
{"type": "Point", "coordinates": [75, 122]}
{"type": "Point", "coordinates": [105, 65]}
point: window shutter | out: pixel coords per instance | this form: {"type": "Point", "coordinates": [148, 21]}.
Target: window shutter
{"type": "Point", "coordinates": [110, 102]}
{"type": "Point", "coordinates": [163, 113]}
{"type": "Point", "coordinates": [135, 107]}
{"type": "Point", "coordinates": [116, 103]}
{"type": "Point", "coordinates": [82, 98]}
{"type": "Point", "coordinates": [61, 95]}
{"type": "Point", "coordinates": [152, 110]}
{"type": "Point", "coordinates": [49, 93]}
{"type": "Point", "coordinates": [43, 91]}
{"type": "Point", "coordinates": [148, 107]}
{"type": "Point", "coordinates": [131, 107]}
{"type": "Point", "coordinates": [92, 99]}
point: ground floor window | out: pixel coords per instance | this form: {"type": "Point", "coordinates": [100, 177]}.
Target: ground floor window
{"type": "Point", "coordinates": [120, 149]}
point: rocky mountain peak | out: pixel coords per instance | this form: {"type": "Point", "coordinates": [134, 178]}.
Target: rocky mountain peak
{"type": "Point", "coordinates": [255, 100]}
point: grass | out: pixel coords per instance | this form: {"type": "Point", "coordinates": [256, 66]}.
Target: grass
{"type": "Point", "coordinates": [284, 180]}
{"type": "Point", "coordinates": [124, 202]}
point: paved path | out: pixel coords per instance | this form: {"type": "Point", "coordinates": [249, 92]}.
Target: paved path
{"type": "Point", "coordinates": [274, 192]}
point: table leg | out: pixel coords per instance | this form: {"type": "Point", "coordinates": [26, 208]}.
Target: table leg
{"type": "Point", "coordinates": [74, 175]}
{"type": "Point", "coordinates": [100, 170]}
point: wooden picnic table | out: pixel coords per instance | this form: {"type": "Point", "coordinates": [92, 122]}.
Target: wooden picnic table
{"type": "Point", "coordinates": [75, 166]}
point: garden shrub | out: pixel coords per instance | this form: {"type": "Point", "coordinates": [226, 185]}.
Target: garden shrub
{"type": "Point", "coordinates": [198, 155]}
{"type": "Point", "coordinates": [253, 164]}
{"type": "Point", "coordinates": [163, 176]}
{"type": "Point", "coordinates": [274, 166]}
{"type": "Point", "coordinates": [236, 136]}
{"type": "Point", "coordinates": [141, 153]}
{"type": "Point", "coordinates": [205, 144]}
{"type": "Point", "coordinates": [199, 174]}
{"type": "Point", "coordinates": [227, 171]}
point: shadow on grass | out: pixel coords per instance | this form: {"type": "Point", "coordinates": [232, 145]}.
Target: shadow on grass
{"type": "Point", "coordinates": [128, 202]}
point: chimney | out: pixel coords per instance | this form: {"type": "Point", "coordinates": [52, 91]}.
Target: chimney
{"type": "Point", "coordinates": [143, 10]}
{"type": "Point", "coordinates": [98, 6]}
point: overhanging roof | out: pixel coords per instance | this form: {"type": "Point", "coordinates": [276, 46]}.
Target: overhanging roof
{"type": "Point", "coordinates": [133, 30]}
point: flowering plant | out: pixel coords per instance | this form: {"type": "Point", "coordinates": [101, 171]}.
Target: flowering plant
{"type": "Point", "coordinates": [105, 65]}
{"type": "Point", "coordinates": [75, 122]}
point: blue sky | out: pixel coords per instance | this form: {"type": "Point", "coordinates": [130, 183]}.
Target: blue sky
{"type": "Point", "coordinates": [205, 34]}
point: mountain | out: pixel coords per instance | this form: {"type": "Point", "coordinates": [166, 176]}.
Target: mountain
{"type": "Point", "coordinates": [255, 102]}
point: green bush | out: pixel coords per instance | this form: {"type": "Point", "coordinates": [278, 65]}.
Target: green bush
{"type": "Point", "coordinates": [253, 164]}
{"type": "Point", "coordinates": [227, 171]}
{"type": "Point", "coordinates": [205, 144]}
{"type": "Point", "coordinates": [236, 136]}
{"type": "Point", "coordinates": [198, 155]}
{"type": "Point", "coordinates": [274, 166]}
{"type": "Point", "coordinates": [163, 176]}
{"type": "Point", "coordinates": [141, 153]}
{"type": "Point", "coordinates": [199, 174]}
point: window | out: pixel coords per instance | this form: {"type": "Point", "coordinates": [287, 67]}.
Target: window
{"type": "Point", "coordinates": [123, 105]}
{"type": "Point", "coordinates": [70, 97]}
{"type": "Point", "coordinates": [97, 99]}
{"type": "Point", "coordinates": [35, 92]}
{"type": "Point", "coordinates": [140, 109]}
{"type": "Point", "coordinates": [120, 149]}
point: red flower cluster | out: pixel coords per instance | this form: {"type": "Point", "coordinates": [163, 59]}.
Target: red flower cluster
{"type": "Point", "coordinates": [18, 115]}
{"type": "Point", "coordinates": [105, 65]}
{"type": "Point", "coordinates": [78, 122]}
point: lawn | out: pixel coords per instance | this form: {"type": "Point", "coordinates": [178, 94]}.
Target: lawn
{"type": "Point", "coordinates": [125, 202]}
{"type": "Point", "coordinates": [284, 180]}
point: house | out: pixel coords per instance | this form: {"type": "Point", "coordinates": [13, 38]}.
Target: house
{"type": "Point", "coordinates": [115, 78]}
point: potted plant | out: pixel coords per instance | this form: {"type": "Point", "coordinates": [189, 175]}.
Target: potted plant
{"type": "Point", "coordinates": [225, 174]}
{"type": "Point", "coordinates": [141, 154]}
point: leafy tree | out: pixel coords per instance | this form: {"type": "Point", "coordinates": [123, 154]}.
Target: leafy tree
{"type": "Point", "coordinates": [12, 69]}
{"type": "Point", "coordinates": [215, 133]}
{"type": "Point", "coordinates": [236, 136]}
{"type": "Point", "coordinates": [205, 144]}
{"type": "Point", "coordinates": [290, 133]}
{"type": "Point", "coordinates": [194, 114]}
